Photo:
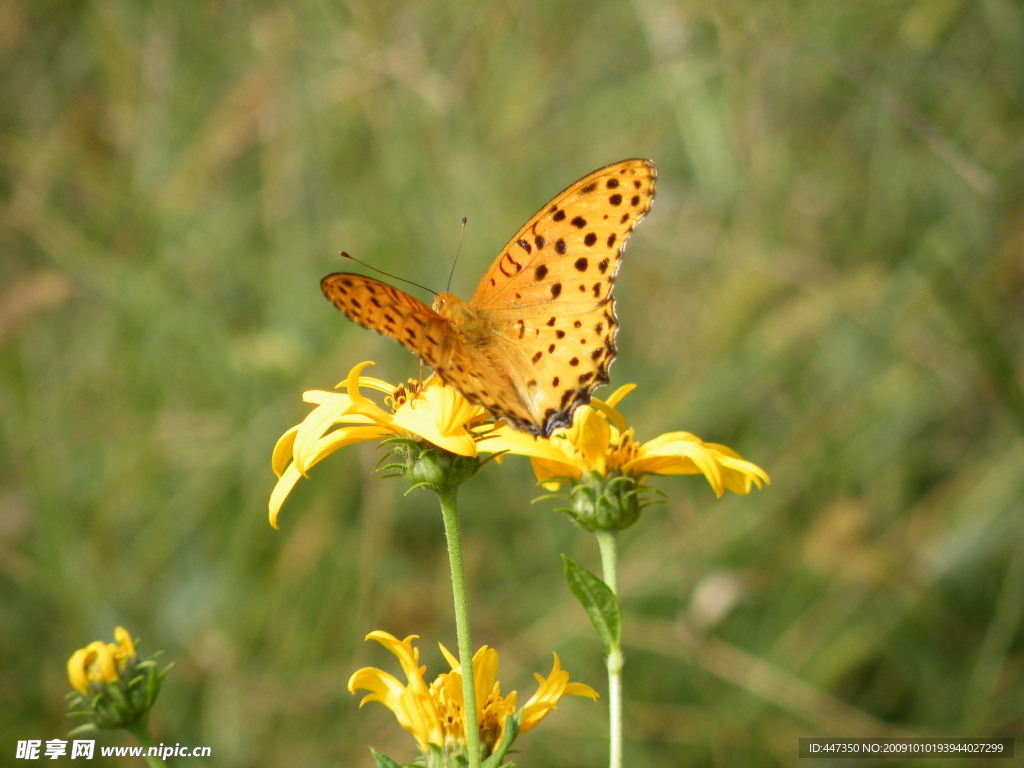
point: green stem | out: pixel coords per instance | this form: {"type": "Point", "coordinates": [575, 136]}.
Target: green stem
{"type": "Point", "coordinates": [140, 730]}
{"type": "Point", "coordinates": [608, 544]}
{"type": "Point", "coordinates": [450, 514]}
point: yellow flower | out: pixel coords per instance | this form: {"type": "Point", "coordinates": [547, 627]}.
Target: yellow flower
{"type": "Point", "coordinates": [428, 411]}
{"type": "Point", "coordinates": [434, 714]}
{"type": "Point", "coordinates": [601, 441]}
{"type": "Point", "coordinates": [101, 662]}
{"type": "Point", "coordinates": [114, 689]}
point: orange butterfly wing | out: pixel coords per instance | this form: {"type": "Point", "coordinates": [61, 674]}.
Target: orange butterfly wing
{"type": "Point", "coordinates": [548, 297]}
{"type": "Point", "coordinates": [481, 377]}
{"type": "Point", "coordinates": [539, 334]}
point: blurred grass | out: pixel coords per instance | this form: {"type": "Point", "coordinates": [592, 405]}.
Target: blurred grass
{"type": "Point", "coordinates": [831, 282]}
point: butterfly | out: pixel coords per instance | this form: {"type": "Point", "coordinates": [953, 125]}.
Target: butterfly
{"type": "Point", "coordinates": [538, 336]}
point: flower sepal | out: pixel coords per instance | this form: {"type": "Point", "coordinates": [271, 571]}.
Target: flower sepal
{"type": "Point", "coordinates": [606, 502]}
{"type": "Point", "coordinates": [435, 757]}
{"type": "Point", "coordinates": [383, 761]}
{"type": "Point", "coordinates": [426, 466]}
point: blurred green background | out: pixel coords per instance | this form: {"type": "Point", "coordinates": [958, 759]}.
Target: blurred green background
{"type": "Point", "coordinates": [831, 282]}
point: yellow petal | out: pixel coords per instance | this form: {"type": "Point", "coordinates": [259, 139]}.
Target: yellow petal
{"type": "Point", "coordinates": [77, 666]}
{"type": "Point", "coordinates": [618, 395]}
{"type": "Point", "coordinates": [591, 435]}
{"type": "Point", "coordinates": [546, 456]}
{"type": "Point", "coordinates": [406, 653]}
{"type": "Point", "coordinates": [684, 453]}
{"type": "Point", "coordinates": [282, 455]}
{"type": "Point", "coordinates": [352, 382]}
{"type": "Point", "coordinates": [678, 453]}
{"type": "Point", "coordinates": [740, 475]}
{"type": "Point", "coordinates": [422, 422]}
{"type": "Point", "coordinates": [608, 410]}
{"type": "Point", "coordinates": [581, 689]}
{"type": "Point", "coordinates": [281, 490]}
{"type": "Point", "coordinates": [451, 658]}
{"type": "Point", "coordinates": [125, 646]}
{"type": "Point", "coordinates": [485, 672]}
{"type": "Point", "coordinates": [412, 704]}
{"type": "Point", "coordinates": [382, 686]}
{"type": "Point", "coordinates": [93, 664]}
{"type": "Point", "coordinates": [551, 690]}
{"type": "Point", "coordinates": [316, 450]}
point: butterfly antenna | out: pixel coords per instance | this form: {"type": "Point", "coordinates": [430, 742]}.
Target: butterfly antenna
{"type": "Point", "coordinates": [386, 274]}
{"type": "Point", "coordinates": [458, 250]}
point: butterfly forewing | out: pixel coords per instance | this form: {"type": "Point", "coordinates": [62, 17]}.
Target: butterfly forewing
{"type": "Point", "coordinates": [389, 311]}
{"type": "Point", "coordinates": [589, 219]}
{"type": "Point", "coordinates": [549, 293]}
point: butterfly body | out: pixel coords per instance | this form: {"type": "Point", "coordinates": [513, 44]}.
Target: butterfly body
{"type": "Point", "coordinates": [538, 336]}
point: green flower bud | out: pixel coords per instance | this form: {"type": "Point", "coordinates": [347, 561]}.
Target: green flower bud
{"type": "Point", "coordinates": [601, 503]}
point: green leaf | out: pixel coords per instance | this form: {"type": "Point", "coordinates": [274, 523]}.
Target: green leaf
{"type": "Point", "coordinates": [598, 601]}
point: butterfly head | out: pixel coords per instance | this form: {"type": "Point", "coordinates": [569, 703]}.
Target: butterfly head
{"type": "Point", "coordinates": [461, 315]}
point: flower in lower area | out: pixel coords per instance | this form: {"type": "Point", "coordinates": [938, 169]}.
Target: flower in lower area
{"type": "Point", "coordinates": [601, 458]}
{"type": "Point", "coordinates": [113, 687]}
{"type": "Point", "coordinates": [433, 713]}
{"type": "Point", "coordinates": [100, 662]}
{"type": "Point", "coordinates": [425, 412]}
